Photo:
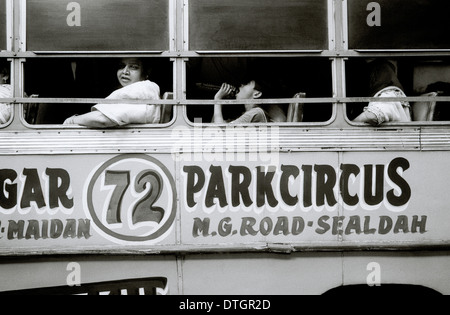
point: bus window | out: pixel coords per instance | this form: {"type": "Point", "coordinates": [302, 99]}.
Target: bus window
{"type": "Point", "coordinates": [101, 25]}
{"type": "Point", "coordinates": [378, 24]}
{"type": "Point", "coordinates": [415, 76]}
{"type": "Point", "coordinates": [281, 78]}
{"type": "Point", "coordinates": [82, 78]}
{"type": "Point", "coordinates": [377, 78]}
{"type": "Point", "coordinates": [258, 25]}
{"type": "Point", "coordinates": [5, 91]}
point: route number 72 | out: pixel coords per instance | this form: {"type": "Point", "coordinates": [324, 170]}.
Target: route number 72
{"type": "Point", "coordinates": [144, 210]}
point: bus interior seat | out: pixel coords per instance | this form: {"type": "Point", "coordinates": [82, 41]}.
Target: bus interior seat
{"type": "Point", "coordinates": [167, 110]}
{"type": "Point", "coordinates": [424, 111]}
{"type": "Point", "coordinates": [30, 113]}
{"type": "Point", "coordinates": [295, 110]}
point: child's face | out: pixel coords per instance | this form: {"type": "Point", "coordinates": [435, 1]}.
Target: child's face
{"type": "Point", "coordinates": [247, 91]}
{"type": "Point", "coordinates": [130, 71]}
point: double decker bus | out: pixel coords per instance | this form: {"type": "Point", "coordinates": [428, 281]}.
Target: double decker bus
{"type": "Point", "coordinates": [312, 204]}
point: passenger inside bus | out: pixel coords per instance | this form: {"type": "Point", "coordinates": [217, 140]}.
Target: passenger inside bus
{"type": "Point", "coordinates": [80, 78]}
{"type": "Point", "coordinates": [383, 82]}
{"type": "Point", "coordinates": [437, 111]}
{"type": "Point", "coordinates": [254, 113]}
{"type": "Point", "coordinates": [282, 78]}
{"type": "Point", "coordinates": [5, 91]}
{"type": "Point", "coordinates": [133, 76]}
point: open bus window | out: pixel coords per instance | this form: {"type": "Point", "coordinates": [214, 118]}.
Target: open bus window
{"type": "Point", "coordinates": [6, 91]}
{"type": "Point", "coordinates": [279, 78]}
{"type": "Point", "coordinates": [414, 76]}
{"type": "Point", "coordinates": [82, 78]}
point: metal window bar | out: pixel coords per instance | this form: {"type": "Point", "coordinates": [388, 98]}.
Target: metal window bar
{"type": "Point", "coordinates": [327, 100]}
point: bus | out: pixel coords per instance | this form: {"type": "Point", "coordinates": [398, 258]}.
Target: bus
{"type": "Point", "coordinates": [315, 203]}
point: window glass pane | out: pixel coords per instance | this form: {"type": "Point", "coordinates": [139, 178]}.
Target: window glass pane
{"type": "Point", "coordinates": [2, 24]}
{"type": "Point", "coordinates": [83, 78]}
{"type": "Point", "coordinates": [277, 77]}
{"type": "Point", "coordinates": [258, 25]}
{"type": "Point", "coordinates": [86, 25]}
{"type": "Point", "coordinates": [398, 24]}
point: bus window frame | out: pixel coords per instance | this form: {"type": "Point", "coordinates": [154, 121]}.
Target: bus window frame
{"type": "Point", "coordinates": [388, 125]}
{"type": "Point", "coordinates": [262, 53]}
{"type": "Point", "coordinates": [397, 55]}
{"type": "Point", "coordinates": [327, 123]}
{"type": "Point", "coordinates": [348, 53]}
{"type": "Point", "coordinates": [338, 34]}
{"type": "Point", "coordinates": [282, 101]}
{"type": "Point", "coordinates": [36, 100]}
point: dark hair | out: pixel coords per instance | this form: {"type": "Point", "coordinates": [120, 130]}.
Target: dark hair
{"type": "Point", "coordinates": [146, 66]}
{"type": "Point", "coordinates": [382, 74]}
{"type": "Point", "coordinates": [261, 85]}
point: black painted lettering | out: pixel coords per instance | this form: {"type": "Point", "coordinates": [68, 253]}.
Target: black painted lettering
{"type": "Point", "coordinates": [247, 226]}
{"type": "Point", "coordinates": [401, 225]}
{"type": "Point", "coordinates": [8, 191]}
{"type": "Point", "coordinates": [195, 183]}
{"type": "Point", "coordinates": [32, 190]}
{"type": "Point", "coordinates": [56, 228]}
{"type": "Point", "coordinates": [225, 227]}
{"type": "Point", "coordinates": [421, 224]}
{"type": "Point", "coordinates": [396, 178]}
{"type": "Point", "coordinates": [282, 226]}
{"type": "Point", "coordinates": [367, 229]}
{"type": "Point", "coordinates": [201, 226]}
{"type": "Point", "coordinates": [33, 230]}
{"type": "Point", "coordinates": [354, 225]}
{"type": "Point", "coordinates": [264, 188]}
{"type": "Point", "coordinates": [347, 171]}
{"type": "Point", "coordinates": [84, 228]}
{"type": "Point", "coordinates": [373, 198]}
{"type": "Point", "coordinates": [385, 225]}
{"type": "Point", "coordinates": [298, 225]}
{"type": "Point", "coordinates": [288, 171]}
{"type": "Point", "coordinates": [216, 188]}
{"type": "Point", "coordinates": [240, 189]}
{"type": "Point", "coordinates": [59, 184]}
{"type": "Point", "coordinates": [70, 231]}
{"type": "Point", "coordinates": [16, 229]}
{"type": "Point", "coordinates": [266, 226]}
{"type": "Point", "coordinates": [324, 226]}
{"type": "Point", "coordinates": [326, 182]}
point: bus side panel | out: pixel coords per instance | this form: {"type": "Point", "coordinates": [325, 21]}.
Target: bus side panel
{"type": "Point", "coordinates": [94, 275]}
{"type": "Point", "coordinates": [426, 269]}
{"type": "Point", "coordinates": [399, 199]}
{"type": "Point", "coordinates": [262, 274]}
{"type": "Point", "coordinates": [86, 203]}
